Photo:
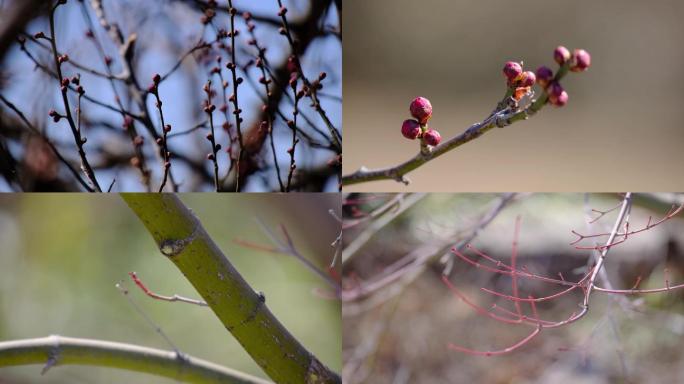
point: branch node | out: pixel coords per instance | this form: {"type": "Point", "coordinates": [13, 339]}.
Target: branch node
{"type": "Point", "coordinates": [317, 372]}
{"type": "Point", "coordinates": [402, 179]}
{"type": "Point", "coordinates": [172, 247]}
{"type": "Point", "coordinates": [253, 313]}
{"type": "Point", "coordinates": [53, 355]}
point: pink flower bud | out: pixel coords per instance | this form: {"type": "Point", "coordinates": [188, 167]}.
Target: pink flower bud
{"type": "Point", "coordinates": [559, 100]}
{"type": "Point", "coordinates": [581, 60]}
{"type": "Point", "coordinates": [544, 76]}
{"type": "Point", "coordinates": [561, 55]}
{"type": "Point", "coordinates": [410, 129]}
{"type": "Point", "coordinates": [528, 79]}
{"type": "Point", "coordinates": [555, 89]}
{"type": "Point", "coordinates": [421, 109]}
{"type": "Point", "coordinates": [128, 122]}
{"type": "Point", "coordinates": [512, 70]}
{"type": "Point", "coordinates": [432, 137]}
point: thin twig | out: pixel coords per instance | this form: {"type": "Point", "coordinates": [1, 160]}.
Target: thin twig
{"type": "Point", "coordinates": [80, 141]}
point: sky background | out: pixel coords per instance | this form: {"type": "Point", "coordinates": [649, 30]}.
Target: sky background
{"type": "Point", "coordinates": [166, 30]}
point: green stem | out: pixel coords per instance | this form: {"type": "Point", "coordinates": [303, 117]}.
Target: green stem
{"type": "Point", "coordinates": [58, 350]}
{"type": "Point", "coordinates": [180, 236]}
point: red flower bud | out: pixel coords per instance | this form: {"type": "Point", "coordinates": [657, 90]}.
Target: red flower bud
{"type": "Point", "coordinates": [512, 70]}
{"type": "Point", "coordinates": [555, 89]}
{"type": "Point", "coordinates": [410, 129]}
{"type": "Point", "coordinates": [581, 60]}
{"type": "Point", "coordinates": [528, 79]}
{"type": "Point", "coordinates": [421, 109]}
{"type": "Point", "coordinates": [432, 137]}
{"type": "Point", "coordinates": [128, 122]}
{"type": "Point", "coordinates": [561, 55]}
{"type": "Point", "coordinates": [559, 100]}
{"type": "Point", "coordinates": [544, 76]}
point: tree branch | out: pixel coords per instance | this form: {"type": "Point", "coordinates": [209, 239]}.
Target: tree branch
{"type": "Point", "coordinates": [476, 130]}
{"type": "Point", "coordinates": [501, 117]}
{"type": "Point", "coordinates": [58, 350]}
{"type": "Point", "coordinates": [181, 237]}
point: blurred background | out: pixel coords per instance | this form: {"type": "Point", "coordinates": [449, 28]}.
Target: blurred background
{"type": "Point", "coordinates": [165, 34]}
{"type": "Point", "coordinates": [621, 127]}
{"type": "Point", "coordinates": [399, 317]}
{"type": "Point", "coordinates": [63, 254]}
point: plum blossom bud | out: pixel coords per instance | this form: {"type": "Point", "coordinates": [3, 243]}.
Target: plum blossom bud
{"type": "Point", "coordinates": [555, 89]}
{"type": "Point", "coordinates": [561, 55]}
{"type": "Point", "coordinates": [544, 76]}
{"type": "Point", "coordinates": [581, 60]}
{"type": "Point", "coordinates": [421, 109]}
{"type": "Point", "coordinates": [557, 95]}
{"type": "Point", "coordinates": [410, 129]}
{"type": "Point", "coordinates": [432, 137]}
{"type": "Point", "coordinates": [559, 100]}
{"type": "Point", "coordinates": [55, 116]}
{"type": "Point", "coordinates": [512, 70]}
{"type": "Point", "coordinates": [528, 79]}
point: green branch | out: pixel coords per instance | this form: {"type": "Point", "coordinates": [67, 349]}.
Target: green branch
{"type": "Point", "coordinates": [181, 238]}
{"type": "Point", "coordinates": [57, 350]}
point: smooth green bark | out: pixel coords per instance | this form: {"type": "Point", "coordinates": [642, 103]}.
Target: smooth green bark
{"type": "Point", "coordinates": [181, 238]}
{"type": "Point", "coordinates": [57, 350]}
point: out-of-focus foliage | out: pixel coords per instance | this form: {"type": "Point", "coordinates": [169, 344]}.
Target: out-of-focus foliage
{"type": "Point", "coordinates": [404, 339]}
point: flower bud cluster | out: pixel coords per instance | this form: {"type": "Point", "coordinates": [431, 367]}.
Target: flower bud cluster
{"type": "Point", "coordinates": [421, 110]}
{"type": "Point", "coordinates": [521, 82]}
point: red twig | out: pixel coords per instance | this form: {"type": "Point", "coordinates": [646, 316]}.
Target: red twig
{"type": "Point", "coordinates": [587, 284]}
{"type": "Point", "coordinates": [156, 296]}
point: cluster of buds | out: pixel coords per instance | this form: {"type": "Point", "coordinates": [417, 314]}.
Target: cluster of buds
{"type": "Point", "coordinates": [521, 82]}
{"type": "Point", "coordinates": [421, 110]}
{"type": "Point", "coordinates": [154, 87]}
{"type": "Point", "coordinates": [76, 80]}
{"type": "Point", "coordinates": [55, 116]}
